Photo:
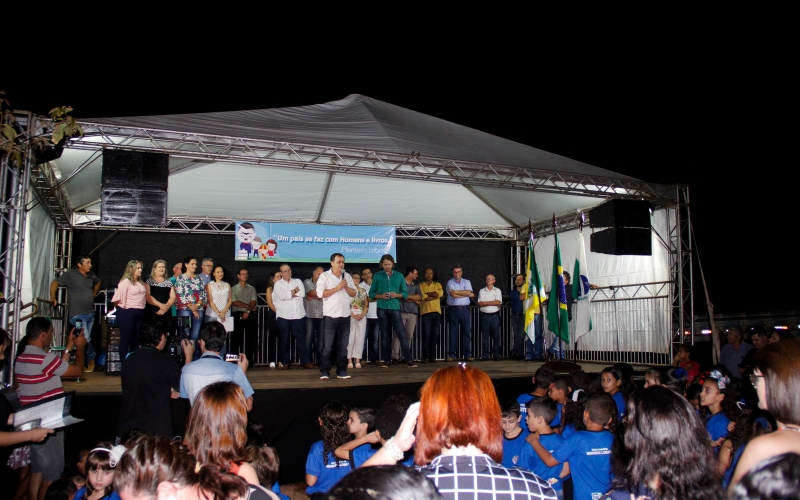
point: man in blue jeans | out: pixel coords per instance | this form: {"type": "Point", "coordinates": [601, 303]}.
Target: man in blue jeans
{"type": "Point", "coordinates": [335, 287]}
{"type": "Point", "coordinates": [459, 293]}
{"type": "Point", "coordinates": [82, 285]}
{"type": "Point", "coordinates": [490, 299]}
{"type": "Point", "coordinates": [387, 288]}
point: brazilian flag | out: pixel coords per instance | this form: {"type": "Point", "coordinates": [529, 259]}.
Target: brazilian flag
{"type": "Point", "coordinates": [557, 316]}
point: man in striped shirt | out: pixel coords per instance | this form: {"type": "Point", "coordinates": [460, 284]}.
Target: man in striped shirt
{"type": "Point", "coordinates": [39, 375]}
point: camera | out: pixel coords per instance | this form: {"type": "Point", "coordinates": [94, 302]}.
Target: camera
{"type": "Point", "coordinates": [233, 358]}
{"type": "Point", "coordinates": [174, 339]}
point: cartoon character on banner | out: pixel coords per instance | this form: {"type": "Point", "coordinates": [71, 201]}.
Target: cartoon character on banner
{"type": "Point", "coordinates": [272, 248]}
{"type": "Point", "coordinates": [256, 245]}
{"type": "Point", "coordinates": [262, 252]}
{"type": "Point", "coordinates": [246, 233]}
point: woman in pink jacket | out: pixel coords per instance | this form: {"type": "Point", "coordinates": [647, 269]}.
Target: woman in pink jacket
{"type": "Point", "coordinates": [129, 299]}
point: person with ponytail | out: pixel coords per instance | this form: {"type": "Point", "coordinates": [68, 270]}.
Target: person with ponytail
{"type": "Point", "coordinates": [323, 468]}
{"type": "Point", "coordinates": [158, 468]}
{"type": "Point", "coordinates": [718, 406]}
{"type": "Point", "coordinates": [667, 451]}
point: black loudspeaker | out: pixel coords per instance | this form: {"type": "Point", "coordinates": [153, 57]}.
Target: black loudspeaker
{"type": "Point", "coordinates": [621, 213]}
{"type": "Point", "coordinates": [134, 188]}
{"type": "Point", "coordinates": [622, 241]}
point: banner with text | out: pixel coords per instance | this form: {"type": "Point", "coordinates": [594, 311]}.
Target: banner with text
{"type": "Point", "coordinates": [280, 242]}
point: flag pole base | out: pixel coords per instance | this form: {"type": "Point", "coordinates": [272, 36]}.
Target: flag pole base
{"type": "Point", "coordinates": [563, 366]}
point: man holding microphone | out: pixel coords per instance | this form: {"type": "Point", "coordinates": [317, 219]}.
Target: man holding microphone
{"type": "Point", "coordinates": [335, 287]}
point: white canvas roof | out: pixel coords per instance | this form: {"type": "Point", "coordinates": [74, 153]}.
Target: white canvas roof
{"type": "Point", "coordinates": [260, 192]}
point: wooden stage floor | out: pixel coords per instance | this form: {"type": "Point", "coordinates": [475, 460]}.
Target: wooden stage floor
{"type": "Point", "coordinates": [265, 378]}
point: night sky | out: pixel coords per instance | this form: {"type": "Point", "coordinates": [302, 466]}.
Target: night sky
{"type": "Point", "coordinates": [710, 115]}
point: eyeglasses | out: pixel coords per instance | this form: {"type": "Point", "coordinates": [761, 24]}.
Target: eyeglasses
{"type": "Point", "coordinates": [754, 378]}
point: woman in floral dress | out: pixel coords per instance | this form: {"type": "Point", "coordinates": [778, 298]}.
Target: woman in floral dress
{"type": "Point", "coordinates": [191, 298]}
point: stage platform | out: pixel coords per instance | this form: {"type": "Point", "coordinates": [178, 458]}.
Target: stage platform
{"type": "Point", "coordinates": [265, 378]}
{"type": "Point", "coordinates": [287, 402]}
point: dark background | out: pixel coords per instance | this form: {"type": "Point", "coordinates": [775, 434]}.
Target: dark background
{"type": "Point", "coordinates": [699, 97]}
{"type": "Point", "coordinates": [478, 258]}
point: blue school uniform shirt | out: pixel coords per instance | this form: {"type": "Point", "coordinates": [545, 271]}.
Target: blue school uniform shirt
{"type": "Point", "coordinates": [81, 494]}
{"type": "Point", "coordinates": [365, 451]}
{"type": "Point", "coordinates": [619, 399]}
{"type": "Point", "coordinates": [529, 460]}
{"type": "Point", "coordinates": [568, 430]}
{"type": "Point", "coordinates": [557, 421]}
{"type": "Point", "coordinates": [717, 426]}
{"type": "Point", "coordinates": [726, 479]}
{"type": "Point", "coordinates": [513, 447]}
{"type": "Point", "coordinates": [276, 488]}
{"type": "Point", "coordinates": [522, 400]}
{"type": "Point", "coordinates": [326, 470]}
{"type": "Point", "coordinates": [589, 457]}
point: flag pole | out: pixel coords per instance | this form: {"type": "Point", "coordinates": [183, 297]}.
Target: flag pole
{"type": "Point", "coordinates": [559, 365]}
{"type": "Point", "coordinates": [559, 355]}
{"type": "Point", "coordinates": [575, 348]}
{"type": "Point", "coordinates": [541, 302]}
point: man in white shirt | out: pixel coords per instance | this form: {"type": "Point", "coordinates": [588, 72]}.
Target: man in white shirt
{"type": "Point", "coordinates": [489, 300]}
{"type": "Point", "coordinates": [287, 295]}
{"type": "Point", "coordinates": [335, 287]}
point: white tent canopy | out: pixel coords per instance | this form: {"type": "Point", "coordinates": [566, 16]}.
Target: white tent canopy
{"type": "Point", "coordinates": [363, 161]}
{"type": "Point", "coordinates": [237, 181]}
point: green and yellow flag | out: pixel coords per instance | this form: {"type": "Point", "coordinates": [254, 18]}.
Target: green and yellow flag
{"type": "Point", "coordinates": [533, 294]}
{"type": "Point", "coordinates": [557, 315]}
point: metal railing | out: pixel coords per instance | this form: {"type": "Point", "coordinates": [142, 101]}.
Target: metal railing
{"type": "Point", "coordinates": [629, 324]}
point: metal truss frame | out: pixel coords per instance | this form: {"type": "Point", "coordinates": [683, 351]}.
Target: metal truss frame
{"type": "Point", "coordinates": [15, 181]}
{"type": "Point", "coordinates": [679, 246]}
{"type": "Point", "coordinates": [634, 291]}
{"type": "Point", "coordinates": [210, 147]}
{"type": "Point", "coordinates": [680, 250]}
{"type": "Point", "coordinates": [221, 225]}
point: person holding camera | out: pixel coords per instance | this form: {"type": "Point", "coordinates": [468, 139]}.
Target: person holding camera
{"type": "Point", "coordinates": [150, 378]}
{"type": "Point", "coordinates": [39, 374]}
{"type": "Point", "coordinates": [211, 367]}
{"type": "Point", "coordinates": [82, 285]}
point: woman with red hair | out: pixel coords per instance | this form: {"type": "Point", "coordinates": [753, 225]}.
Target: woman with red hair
{"type": "Point", "coordinates": [459, 443]}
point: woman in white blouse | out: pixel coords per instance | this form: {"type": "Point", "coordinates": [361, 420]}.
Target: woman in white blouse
{"type": "Point", "coordinates": [129, 300]}
{"type": "Point", "coordinates": [219, 297]}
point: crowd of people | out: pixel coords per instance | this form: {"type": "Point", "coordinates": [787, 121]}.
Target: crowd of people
{"type": "Point", "coordinates": [576, 435]}
{"type": "Point", "coordinates": [332, 318]}
{"type": "Point", "coordinates": [731, 431]}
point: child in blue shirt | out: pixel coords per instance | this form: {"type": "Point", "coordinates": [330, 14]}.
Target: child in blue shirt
{"type": "Point", "coordinates": [588, 452]}
{"type": "Point", "coordinates": [513, 434]}
{"type": "Point", "coordinates": [611, 380]}
{"type": "Point", "coordinates": [558, 393]}
{"type": "Point", "coordinates": [717, 406]}
{"type": "Point", "coordinates": [542, 380]}
{"type": "Point", "coordinates": [387, 422]}
{"type": "Point", "coordinates": [323, 468]}
{"type": "Point", "coordinates": [540, 412]}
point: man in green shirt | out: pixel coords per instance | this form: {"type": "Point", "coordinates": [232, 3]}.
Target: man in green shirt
{"type": "Point", "coordinates": [387, 288]}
